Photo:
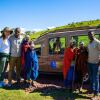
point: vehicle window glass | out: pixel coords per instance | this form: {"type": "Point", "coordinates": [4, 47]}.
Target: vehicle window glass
{"type": "Point", "coordinates": [38, 49]}
{"type": "Point", "coordinates": [83, 38]}
{"type": "Point", "coordinates": [97, 36]}
{"type": "Point", "coordinates": [57, 45]}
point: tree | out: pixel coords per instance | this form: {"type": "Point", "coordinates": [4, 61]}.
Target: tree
{"type": "Point", "coordinates": [28, 32]}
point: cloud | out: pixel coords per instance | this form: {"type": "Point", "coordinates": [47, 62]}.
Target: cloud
{"type": "Point", "coordinates": [50, 27]}
{"type": "Point", "coordinates": [36, 30]}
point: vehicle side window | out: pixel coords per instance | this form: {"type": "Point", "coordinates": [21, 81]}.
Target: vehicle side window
{"type": "Point", "coordinates": [97, 36]}
{"type": "Point", "coordinates": [80, 38]}
{"type": "Point", "coordinates": [57, 45]}
{"type": "Point", "coordinates": [83, 38]}
{"type": "Point", "coordinates": [38, 50]}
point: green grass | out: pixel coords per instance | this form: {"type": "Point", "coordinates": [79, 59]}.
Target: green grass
{"type": "Point", "coordinates": [18, 95]}
{"type": "Point", "coordinates": [60, 94]}
{"type": "Point", "coordinates": [71, 26]}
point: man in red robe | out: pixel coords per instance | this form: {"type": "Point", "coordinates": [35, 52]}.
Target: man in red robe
{"type": "Point", "coordinates": [69, 56]}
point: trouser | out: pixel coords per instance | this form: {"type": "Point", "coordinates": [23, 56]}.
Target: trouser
{"type": "Point", "coordinates": [3, 61]}
{"type": "Point", "coordinates": [14, 62]}
{"type": "Point", "coordinates": [93, 71]}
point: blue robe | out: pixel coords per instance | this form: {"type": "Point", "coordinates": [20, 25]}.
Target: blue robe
{"type": "Point", "coordinates": [31, 65]}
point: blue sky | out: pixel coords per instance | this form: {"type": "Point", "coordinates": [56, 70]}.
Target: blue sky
{"type": "Point", "coordinates": [41, 14]}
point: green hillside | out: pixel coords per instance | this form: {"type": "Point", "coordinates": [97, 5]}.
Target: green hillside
{"type": "Point", "coordinates": [68, 27]}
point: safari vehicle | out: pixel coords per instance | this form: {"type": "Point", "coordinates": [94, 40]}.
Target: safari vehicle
{"type": "Point", "coordinates": [50, 56]}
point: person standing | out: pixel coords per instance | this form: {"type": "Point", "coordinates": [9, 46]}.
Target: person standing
{"type": "Point", "coordinates": [24, 48]}
{"type": "Point", "coordinates": [93, 64]}
{"type": "Point", "coordinates": [69, 57]}
{"type": "Point", "coordinates": [15, 54]}
{"type": "Point", "coordinates": [81, 64]}
{"type": "Point", "coordinates": [31, 66]}
{"type": "Point", "coordinates": [4, 51]}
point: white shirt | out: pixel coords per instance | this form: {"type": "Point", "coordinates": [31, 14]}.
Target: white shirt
{"type": "Point", "coordinates": [94, 51]}
{"type": "Point", "coordinates": [4, 46]}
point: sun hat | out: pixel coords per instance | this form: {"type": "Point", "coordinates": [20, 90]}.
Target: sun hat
{"type": "Point", "coordinates": [7, 29]}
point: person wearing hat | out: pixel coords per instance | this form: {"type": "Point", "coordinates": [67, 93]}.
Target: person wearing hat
{"type": "Point", "coordinates": [81, 64]}
{"type": "Point", "coordinates": [93, 64]}
{"type": "Point", "coordinates": [69, 55]}
{"type": "Point", "coordinates": [15, 55]}
{"type": "Point", "coordinates": [4, 50]}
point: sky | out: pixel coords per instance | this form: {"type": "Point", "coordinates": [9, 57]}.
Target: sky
{"type": "Point", "coordinates": [41, 14]}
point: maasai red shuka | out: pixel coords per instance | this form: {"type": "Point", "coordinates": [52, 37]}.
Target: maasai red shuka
{"type": "Point", "coordinates": [69, 55]}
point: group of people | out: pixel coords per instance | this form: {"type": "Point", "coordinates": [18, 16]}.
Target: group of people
{"type": "Point", "coordinates": [85, 60]}
{"type": "Point", "coordinates": [18, 52]}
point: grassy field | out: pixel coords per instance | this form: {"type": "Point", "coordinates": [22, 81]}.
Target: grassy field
{"type": "Point", "coordinates": [57, 94]}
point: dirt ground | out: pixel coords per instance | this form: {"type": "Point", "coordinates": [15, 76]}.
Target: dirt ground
{"type": "Point", "coordinates": [44, 81]}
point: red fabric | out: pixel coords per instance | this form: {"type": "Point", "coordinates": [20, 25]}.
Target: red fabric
{"type": "Point", "coordinates": [69, 55]}
{"type": "Point", "coordinates": [81, 62]}
{"type": "Point", "coordinates": [24, 48]}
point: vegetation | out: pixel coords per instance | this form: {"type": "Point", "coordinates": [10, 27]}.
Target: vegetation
{"type": "Point", "coordinates": [68, 27]}
{"type": "Point", "coordinates": [57, 94]}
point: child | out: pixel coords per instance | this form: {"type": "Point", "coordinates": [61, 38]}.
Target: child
{"type": "Point", "coordinates": [31, 63]}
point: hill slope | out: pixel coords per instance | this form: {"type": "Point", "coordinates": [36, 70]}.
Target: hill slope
{"type": "Point", "coordinates": [72, 26]}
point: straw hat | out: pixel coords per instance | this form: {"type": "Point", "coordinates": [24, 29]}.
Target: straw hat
{"type": "Point", "coordinates": [7, 29]}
